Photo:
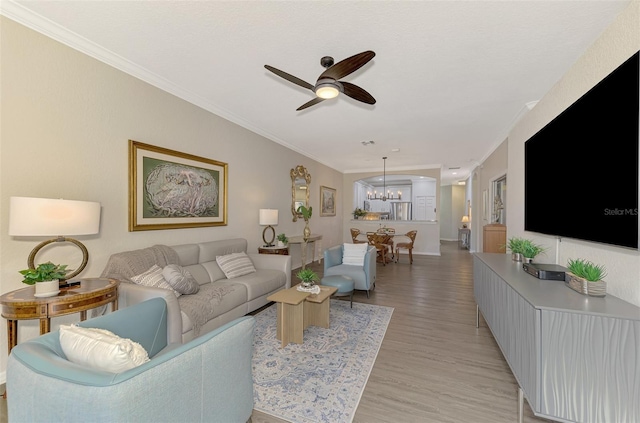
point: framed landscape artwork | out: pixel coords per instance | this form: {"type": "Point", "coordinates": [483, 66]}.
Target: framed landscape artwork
{"type": "Point", "coordinates": [327, 201]}
{"type": "Point", "coordinates": [170, 190]}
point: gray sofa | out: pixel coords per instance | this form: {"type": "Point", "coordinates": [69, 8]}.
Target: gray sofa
{"type": "Point", "coordinates": [219, 300]}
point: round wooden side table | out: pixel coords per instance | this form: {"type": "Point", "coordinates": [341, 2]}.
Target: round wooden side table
{"type": "Point", "coordinates": [21, 304]}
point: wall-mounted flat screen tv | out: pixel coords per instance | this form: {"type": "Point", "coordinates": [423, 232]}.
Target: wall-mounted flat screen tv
{"type": "Point", "coordinates": [581, 169]}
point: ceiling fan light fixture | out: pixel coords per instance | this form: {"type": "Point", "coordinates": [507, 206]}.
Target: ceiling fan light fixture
{"type": "Point", "coordinates": [327, 91]}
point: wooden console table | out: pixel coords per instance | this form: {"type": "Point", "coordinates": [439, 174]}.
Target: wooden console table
{"type": "Point", "coordinates": [303, 247]}
{"type": "Point", "coordinates": [22, 305]}
{"type": "Point", "coordinates": [575, 357]}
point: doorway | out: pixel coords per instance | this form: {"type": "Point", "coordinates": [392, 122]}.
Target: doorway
{"type": "Point", "coordinates": [499, 210]}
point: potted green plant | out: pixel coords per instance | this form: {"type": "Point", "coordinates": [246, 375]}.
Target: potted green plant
{"type": "Point", "coordinates": [514, 246]}
{"type": "Point", "coordinates": [530, 250]}
{"type": "Point", "coordinates": [282, 240]}
{"type": "Point", "coordinates": [358, 212]}
{"type": "Point", "coordinates": [586, 277]}
{"type": "Point", "coordinates": [305, 212]}
{"type": "Point", "coordinates": [522, 248]}
{"type": "Point", "coordinates": [307, 277]}
{"type": "Point", "coordinates": [46, 277]}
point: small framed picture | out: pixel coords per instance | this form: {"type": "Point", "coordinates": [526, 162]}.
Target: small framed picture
{"type": "Point", "coordinates": [327, 201]}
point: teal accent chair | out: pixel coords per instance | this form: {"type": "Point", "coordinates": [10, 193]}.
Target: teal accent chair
{"type": "Point", "coordinates": [364, 277]}
{"type": "Point", "coordinates": [208, 379]}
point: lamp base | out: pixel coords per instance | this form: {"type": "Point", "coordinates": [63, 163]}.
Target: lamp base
{"type": "Point", "coordinates": [85, 254]}
{"type": "Point", "coordinates": [264, 236]}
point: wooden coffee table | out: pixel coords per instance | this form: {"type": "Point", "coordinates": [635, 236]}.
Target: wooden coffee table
{"type": "Point", "coordinates": [298, 310]}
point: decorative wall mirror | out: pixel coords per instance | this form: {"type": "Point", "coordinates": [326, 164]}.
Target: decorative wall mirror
{"type": "Point", "coordinates": [300, 182]}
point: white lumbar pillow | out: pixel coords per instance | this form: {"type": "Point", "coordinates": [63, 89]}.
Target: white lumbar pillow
{"type": "Point", "coordinates": [235, 264]}
{"type": "Point", "coordinates": [153, 277]}
{"type": "Point", "coordinates": [354, 254]}
{"type": "Point", "coordinates": [101, 349]}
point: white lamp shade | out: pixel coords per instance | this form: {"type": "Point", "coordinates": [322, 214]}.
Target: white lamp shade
{"type": "Point", "coordinates": [52, 217]}
{"type": "Point", "coordinates": [268, 217]}
{"type": "Point", "coordinates": [465, 219]}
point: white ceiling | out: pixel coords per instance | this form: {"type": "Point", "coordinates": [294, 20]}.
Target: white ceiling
{"type": "Point", "coordinates": [450, 77]}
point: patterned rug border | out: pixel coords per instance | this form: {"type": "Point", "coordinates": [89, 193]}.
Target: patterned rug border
{"type": "Point", "coordinates": [332, 365]}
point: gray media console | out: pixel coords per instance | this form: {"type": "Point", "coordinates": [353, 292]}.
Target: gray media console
{"type": "Point", "coordinates": [576, 358]}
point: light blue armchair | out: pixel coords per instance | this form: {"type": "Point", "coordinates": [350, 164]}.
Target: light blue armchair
{"type": "Point", "coordinates": [208, 379]}
{"type": "Point", "coordinates": [364, 277]}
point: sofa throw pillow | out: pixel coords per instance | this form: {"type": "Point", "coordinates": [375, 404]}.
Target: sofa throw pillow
{"type": "Point", "coordinates": [180, 279]}
{"type": "Point", "coordinates": [153, 277]}
{"type": "Point", "coordinates": [354, 254]}
{"type": "Point", "coordinates": [101, 349]}
{"type": "Point", "coordinates": [235, 264]}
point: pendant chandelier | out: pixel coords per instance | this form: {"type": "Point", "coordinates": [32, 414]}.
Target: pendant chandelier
{"type": "Point", "coordinates": [383, 196]}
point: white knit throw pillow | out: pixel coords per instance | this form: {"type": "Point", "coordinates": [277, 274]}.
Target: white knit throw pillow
{"type": "Point", "coordinates": [101, 349]}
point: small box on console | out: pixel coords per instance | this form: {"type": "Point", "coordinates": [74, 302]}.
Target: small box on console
{"type": "Point", "coordinates": [552, 272]}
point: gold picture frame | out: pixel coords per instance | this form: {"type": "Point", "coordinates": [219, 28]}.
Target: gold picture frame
{"type": "Point", "coordinates": [327, 201]}
{"type": "Point", "coordinates": [169, 189]}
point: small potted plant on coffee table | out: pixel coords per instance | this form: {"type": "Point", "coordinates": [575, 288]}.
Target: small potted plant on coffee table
{"type": "Point", "coordinates": [307, 277]}
{"type": "Point", "coordinates": [46, 277]}
{"type": "Point", "coordinates": [586, 277]}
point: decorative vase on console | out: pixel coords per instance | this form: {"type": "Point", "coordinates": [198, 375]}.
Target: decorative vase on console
{"type": "Point", "coordinates": [306, 215]}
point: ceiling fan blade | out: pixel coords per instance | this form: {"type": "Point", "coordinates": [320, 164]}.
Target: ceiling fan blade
{"type": "Point", "coordinates": [348, 65]}
{"type": "Point", "coordinates": [289, 78]}
{"type": "Point", "coordinates": [357, 93]}
{"type": "Point", "coordinates": [310, 103]}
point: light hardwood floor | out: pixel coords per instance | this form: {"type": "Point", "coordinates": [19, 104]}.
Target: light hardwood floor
{"type": "Point", "coordinates": [434, 365]}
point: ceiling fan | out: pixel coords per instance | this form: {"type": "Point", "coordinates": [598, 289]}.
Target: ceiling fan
{"type": "Point", "coordinates": [327, 86]}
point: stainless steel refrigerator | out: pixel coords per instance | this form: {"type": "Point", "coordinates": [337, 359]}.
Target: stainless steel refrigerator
{"type": "Point", "coordinates": [400, 210]}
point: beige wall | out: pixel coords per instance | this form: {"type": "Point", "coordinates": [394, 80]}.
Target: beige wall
{"type": "Point", "coordinates": [617, 43]}
{"type": "Point", "coordinates": [492, 168]}
{"type": "Point", "coordinates": [66, 120]}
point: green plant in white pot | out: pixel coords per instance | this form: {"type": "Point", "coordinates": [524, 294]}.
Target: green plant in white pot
{"type": "Point", "coordinates": [282, 240]}
{"type": "Point", "coordinates": [46, 277]}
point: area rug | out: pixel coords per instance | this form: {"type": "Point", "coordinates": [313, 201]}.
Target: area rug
{"type": "Point", "coordinates": [322, 379]}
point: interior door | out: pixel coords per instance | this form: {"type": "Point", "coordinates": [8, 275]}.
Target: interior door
{"type": "Point", "coordinates": [425, 207]}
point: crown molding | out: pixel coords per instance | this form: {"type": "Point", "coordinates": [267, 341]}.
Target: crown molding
{"type": "Point", "coordinates": [42, 25]}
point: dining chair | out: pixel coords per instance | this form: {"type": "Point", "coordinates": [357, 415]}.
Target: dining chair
{"type": "Point", "coordinates": [354, 236]}
{"type": "Point", "coordinates": [391, 232]}
{"type": "Point", "coordinates": [381, 242]}
{"type": "Point", "coordinates": [406, 246]}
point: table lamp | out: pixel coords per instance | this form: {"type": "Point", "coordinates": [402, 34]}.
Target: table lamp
{"type": "Point", "coordinates": [54, 217]}
{"type": "Point", "coordinates": [268, 217]}
{"type": "Point", "coordinates": [465, 220]}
